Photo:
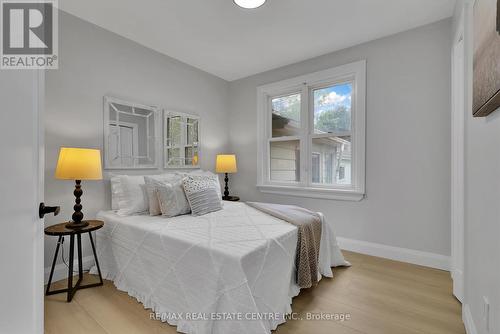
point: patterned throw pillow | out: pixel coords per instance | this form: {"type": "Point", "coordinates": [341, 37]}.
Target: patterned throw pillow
{"type": "Point", "coordinates": [200, 172]}
{"type": "Point", "coordinates": [201, 192]}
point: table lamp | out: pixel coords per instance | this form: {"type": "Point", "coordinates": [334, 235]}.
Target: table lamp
{"type": "Point", "coordinates": [226, 163]}
{"type": "Point", "coordinates": [78, 164]}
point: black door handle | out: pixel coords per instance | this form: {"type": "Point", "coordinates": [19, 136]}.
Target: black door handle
{"type": "Point", "coordinates": [43, 210]}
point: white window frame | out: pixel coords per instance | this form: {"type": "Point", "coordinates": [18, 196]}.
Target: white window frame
{"type": "Point", "coordinates": [305, 84]}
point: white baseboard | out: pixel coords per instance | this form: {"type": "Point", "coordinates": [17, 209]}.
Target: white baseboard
{"type": "Point", "coordinates": [421, 258]}
{"type": "Point", "coordinates": [470, 327]}
{"type": "Point", "coordinates": [458, 284]}
{"type": "Point", "coordinates": [61, 271]}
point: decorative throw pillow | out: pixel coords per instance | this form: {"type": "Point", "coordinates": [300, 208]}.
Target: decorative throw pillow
{"type": "Point", "coordinates": [200, 172]}
{"type": "Point", "coordinates": [154, 181]}
{"type": "Point", "coordinates": [202, 195]}
{"type": "Point", "coordinates": [131, 194]}
{"type": "Point", "coordinates": [172, 199]}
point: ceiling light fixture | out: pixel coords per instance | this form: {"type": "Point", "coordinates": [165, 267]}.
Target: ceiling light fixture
{"type": "Point", "coordinates": [249, 4]}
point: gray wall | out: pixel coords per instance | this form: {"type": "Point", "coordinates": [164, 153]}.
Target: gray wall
{"type": "Point", "coordinates": [408, 140]}
{"type": "Point", "coordinates": [482, 210]}
{"type": "Point", "coordinates": [95, 62]}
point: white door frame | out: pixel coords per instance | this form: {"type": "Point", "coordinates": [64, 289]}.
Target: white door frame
{"type": "Point", "coordinates": [38, 256]}
{"type": "Point", "coordinates": [458, 160]}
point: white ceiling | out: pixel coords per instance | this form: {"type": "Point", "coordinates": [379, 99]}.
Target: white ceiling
{"type": "Point", "coordinates": [227, 41]}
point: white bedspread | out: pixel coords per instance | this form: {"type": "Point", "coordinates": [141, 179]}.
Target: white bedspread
{"type": "Point", "coordinates": [236, 264]}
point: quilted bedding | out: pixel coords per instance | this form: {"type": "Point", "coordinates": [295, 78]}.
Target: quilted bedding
{"type": "Point", "coordinates": [230, 271]}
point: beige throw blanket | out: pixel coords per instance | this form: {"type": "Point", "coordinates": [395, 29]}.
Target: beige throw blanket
{"type": "Point", "coordinates": [309, 237]}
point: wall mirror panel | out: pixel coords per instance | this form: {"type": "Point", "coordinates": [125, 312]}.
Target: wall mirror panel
{"type": "Point", "coordinates": [131, 135]}
{"type": "Point", "coordinates": [181, 140]}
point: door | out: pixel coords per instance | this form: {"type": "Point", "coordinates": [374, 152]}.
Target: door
{"type": "Point", "coordinates": [21, 237]}
{"type": "Point", "coordinates": [457, 166]}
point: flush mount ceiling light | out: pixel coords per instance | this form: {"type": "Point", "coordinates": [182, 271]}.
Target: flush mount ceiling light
{"type": "Point", "coordinates": [249, 4]}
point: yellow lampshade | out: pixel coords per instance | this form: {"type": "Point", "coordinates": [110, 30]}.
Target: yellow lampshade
{"type": "Point", "coordinates": [226, 163]}
{"type": "Point", "coordinates": [79, 164]}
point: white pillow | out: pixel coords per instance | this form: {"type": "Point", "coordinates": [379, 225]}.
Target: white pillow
{"type": "Point", "coordinates": [132, 196]}
{"type": "Point", "coordinates": [172, 199]}
{"type": "Point", "coordinates": [152, 182]}
{"type": "Point", "coordinates": [115, 191]}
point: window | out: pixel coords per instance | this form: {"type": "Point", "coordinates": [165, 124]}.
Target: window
{"type": "Point", "coordinates": [312, 134]}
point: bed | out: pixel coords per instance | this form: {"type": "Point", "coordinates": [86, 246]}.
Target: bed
{"type": "Point", "coordinates": [230, 271]}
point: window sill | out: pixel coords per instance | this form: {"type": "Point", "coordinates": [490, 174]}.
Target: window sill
{"type": "Point", "coordinates": [334, 194]}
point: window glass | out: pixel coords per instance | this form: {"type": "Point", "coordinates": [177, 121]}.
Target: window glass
{"type": "Point", "coordinates": [331, 160]}
{"type": "Point", "coordinates": [286, 115]}
{"type": "Point", "coordinates": [332, 108]}
{"type": "Point", "coordinates": [285, 160]}
{"type": "Point", "coordinates": [316, 160]}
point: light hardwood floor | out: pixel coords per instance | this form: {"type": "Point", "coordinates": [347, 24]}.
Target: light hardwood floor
{"type": "Point", "coordinates": [381, 297]}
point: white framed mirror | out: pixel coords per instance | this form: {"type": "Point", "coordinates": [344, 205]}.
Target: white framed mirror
{"type": "Point", "coordinates": [181, 140]}
{"type": "Point", "coordinates": [131, 135]}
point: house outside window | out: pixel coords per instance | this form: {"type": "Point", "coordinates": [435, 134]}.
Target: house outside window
{"type": "Point", "coordinates": [316, 167]}
{"type": "Point", "coordinates": [312, 134]}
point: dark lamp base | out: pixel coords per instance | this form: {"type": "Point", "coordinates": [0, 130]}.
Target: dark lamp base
{"type": "Point", "coordinates": [226, 196]}
{"type": "Point", "coordinates": [231, 198]}
{"type": "Point", "coordinates": [77, 218]}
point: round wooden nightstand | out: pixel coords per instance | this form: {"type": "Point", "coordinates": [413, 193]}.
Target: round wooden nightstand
{"type": "Point", "coordinates": [60, 230]}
